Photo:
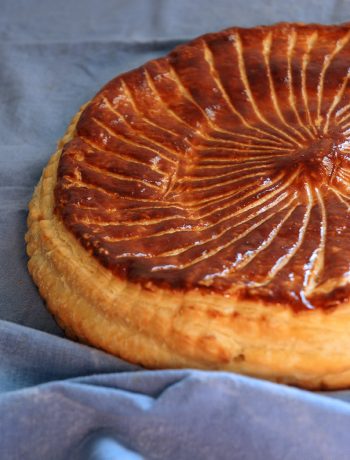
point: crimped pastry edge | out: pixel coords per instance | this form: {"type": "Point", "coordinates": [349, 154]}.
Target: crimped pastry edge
{"type": "Point", "coordinates": [161, 329]}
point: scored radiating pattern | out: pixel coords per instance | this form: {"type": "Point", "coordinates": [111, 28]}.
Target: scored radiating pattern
{"type": "Point", "coordinates": [224, 166]}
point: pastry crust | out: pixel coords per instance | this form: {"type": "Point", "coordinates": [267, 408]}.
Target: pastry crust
{"type": "Point", "coordinates": [198, 324]}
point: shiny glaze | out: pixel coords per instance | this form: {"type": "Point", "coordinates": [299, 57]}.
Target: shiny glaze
{"type": "Point", "coordinates": [224, 166]}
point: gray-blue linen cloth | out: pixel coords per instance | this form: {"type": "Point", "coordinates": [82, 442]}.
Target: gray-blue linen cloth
{"type": "Point", "coordinates": [62, 400]}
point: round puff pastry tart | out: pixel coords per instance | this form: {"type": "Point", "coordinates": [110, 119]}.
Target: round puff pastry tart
{"type": "Point", "coordinates": [196, 213]}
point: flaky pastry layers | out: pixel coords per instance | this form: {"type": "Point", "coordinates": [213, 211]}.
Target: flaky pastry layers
{"type": "Point", "coordinates": [196, 213]}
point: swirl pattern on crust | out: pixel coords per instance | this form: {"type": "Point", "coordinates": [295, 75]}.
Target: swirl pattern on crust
{"type": "Point", "coordinates": [224, 166]}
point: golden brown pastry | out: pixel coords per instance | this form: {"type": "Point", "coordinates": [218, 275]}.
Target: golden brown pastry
{"type": "Point", "coordinates": [196, 213]}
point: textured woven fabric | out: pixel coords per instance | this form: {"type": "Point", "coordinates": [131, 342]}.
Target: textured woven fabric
{"type": "Point", "coordinates": [59, 399]}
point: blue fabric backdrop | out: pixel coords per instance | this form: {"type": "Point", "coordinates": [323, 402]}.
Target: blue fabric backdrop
{"type": "Point", "coordinates": [59, 399]}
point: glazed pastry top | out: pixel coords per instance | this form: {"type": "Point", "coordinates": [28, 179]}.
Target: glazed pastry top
{"type": "Point", "coordinates": [224, 166]}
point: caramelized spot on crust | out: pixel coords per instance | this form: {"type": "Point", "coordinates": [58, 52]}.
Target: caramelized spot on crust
{"type": "Point", "coordinates": [224, 166]}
